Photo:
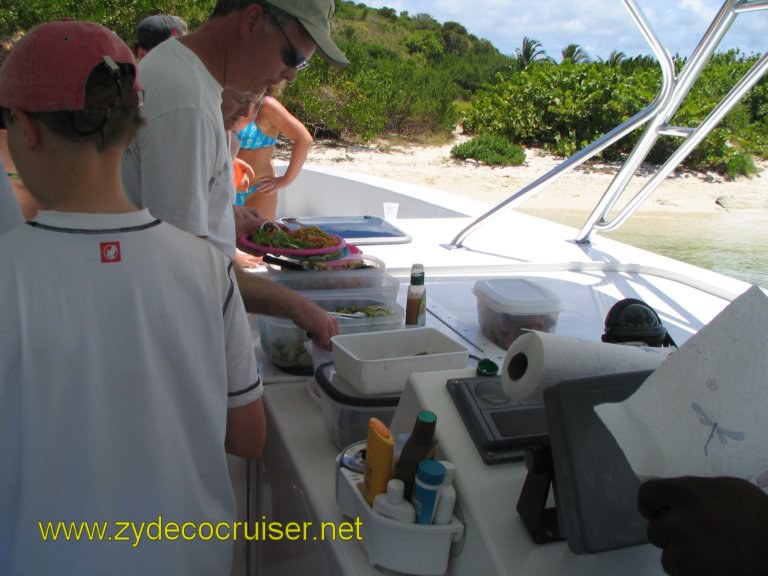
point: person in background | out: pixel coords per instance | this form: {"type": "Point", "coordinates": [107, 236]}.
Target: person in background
{"type": "Point", "coordinates": [27, 203]}
{"type": "Point", "coordinates": [155, 29]}
{"type": "Point", "coordinates": [10, 213]}
{"type": "Point", "coordinates": [126, 364]}
{"type": "Point", "coordinates": [707, 526]}
{"type": "Point", "coordinates": [180, 166]}
{"type": "Point", "coordinates": [236, 109]}
{"type": "Point", "coordinates": [257, 146]}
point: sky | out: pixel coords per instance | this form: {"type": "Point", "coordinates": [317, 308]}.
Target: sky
{"type": "Point", "coordinates": [598, 26]}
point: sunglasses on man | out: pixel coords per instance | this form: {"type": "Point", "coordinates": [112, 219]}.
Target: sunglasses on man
{"type": "Point", "coordinates": [292, 56]}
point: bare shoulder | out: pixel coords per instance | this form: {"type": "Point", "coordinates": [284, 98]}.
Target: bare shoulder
{"type": "Point", "coordinates": [273, 111]}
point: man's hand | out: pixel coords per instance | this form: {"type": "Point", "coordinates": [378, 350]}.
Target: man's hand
{"type": "Point", "coordinates": [247, 220]}
{"type": "Point", "coordinates": [707, 526]}
{"type": "Point", "coordinates": [247, 261]}
{"type": "Point", "coordinates": [263, 296]}
{"type": "Point", "coordinates": [317, 323]}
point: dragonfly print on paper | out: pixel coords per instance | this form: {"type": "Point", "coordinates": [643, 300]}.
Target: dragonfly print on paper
{"type": "Point", "coordinates": [723, 434]}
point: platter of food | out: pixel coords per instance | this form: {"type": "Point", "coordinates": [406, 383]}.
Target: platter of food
{"type": "Point", "coordinates": [307, 241]}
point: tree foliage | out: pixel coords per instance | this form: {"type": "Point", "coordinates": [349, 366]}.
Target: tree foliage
{"type": "Point", "coordinates": [529, 52]}
{"type": "Point", "coordinates": [409, 73]}
{"type": "Point", "coordinates": [565, 107]}
{"type": "Point", "coordinates": [119, 15]}
{"type": "Point", "coordinates": [575, 54]}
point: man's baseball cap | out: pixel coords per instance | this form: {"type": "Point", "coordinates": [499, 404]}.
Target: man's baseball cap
{"type": "Point", "coordinates": [315, 16]}
{"type": "Point", "coordinates": [48, 69]}
{"type": "Point", "coordinates": [155, 29]}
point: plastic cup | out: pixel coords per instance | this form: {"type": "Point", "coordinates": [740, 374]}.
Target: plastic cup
{"type": "Point", "coordinates": [390, 211]}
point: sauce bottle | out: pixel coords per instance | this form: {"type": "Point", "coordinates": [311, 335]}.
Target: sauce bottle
{"type": "Point", "coordinates": [416, 302]}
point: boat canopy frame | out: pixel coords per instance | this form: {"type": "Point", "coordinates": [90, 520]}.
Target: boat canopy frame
{"type": "Point", "coordinates": [672, 92]}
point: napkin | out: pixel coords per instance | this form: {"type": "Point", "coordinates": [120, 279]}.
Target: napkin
{"type": "Point", "coordinates": [702, 412]}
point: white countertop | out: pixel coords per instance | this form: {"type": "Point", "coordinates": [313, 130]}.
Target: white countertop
{"type": "Point", "coordinates": [300, 461]}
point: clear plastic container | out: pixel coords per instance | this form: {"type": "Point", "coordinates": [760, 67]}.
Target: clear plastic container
{"type": "Point", "coordinates": [508, 306]}
{"type": "Point", "coordinates": [353, 262]}
{"type": "Point", "coordinates": [283, 342]}
{"type": "Point", "coordinates": [319, 284]}
{"type": "Point", "coordinates": [346, 412]}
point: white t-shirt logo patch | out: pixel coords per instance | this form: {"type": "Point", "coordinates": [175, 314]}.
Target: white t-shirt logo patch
{"type": "Point", "coordinates": [110, 252]}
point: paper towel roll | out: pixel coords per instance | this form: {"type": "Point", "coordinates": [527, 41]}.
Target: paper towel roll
{"type": "Point", "coordinates": [536, 360]}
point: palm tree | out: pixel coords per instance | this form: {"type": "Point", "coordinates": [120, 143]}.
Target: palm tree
{"type": "Point", "coordinates": [531, 51]}
{"type": "Point", "coordinates": [575, 54]}
{"type": "Point", "coordinates": [616, 58]}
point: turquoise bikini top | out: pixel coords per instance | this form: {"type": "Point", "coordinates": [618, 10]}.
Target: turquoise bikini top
{"type": "Point", "coordinates": [251, 137]}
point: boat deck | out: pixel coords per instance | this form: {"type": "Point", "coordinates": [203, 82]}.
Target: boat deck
{"type": "Point", "coordinates": [297, 474]}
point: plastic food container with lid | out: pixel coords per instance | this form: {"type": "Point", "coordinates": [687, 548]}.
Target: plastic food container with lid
{"type": "Point", "coordinates": [350, 283]}
{"type": "Point", "coordinates": [506, 307]}
{"type": "Point", "coordinates": [346, 412]}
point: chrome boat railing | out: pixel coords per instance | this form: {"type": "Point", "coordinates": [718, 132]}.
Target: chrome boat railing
{"type": "Point", "coordinates": [656, 115]}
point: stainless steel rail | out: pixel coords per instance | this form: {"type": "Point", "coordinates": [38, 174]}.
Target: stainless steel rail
{"type": "Point", "coordinates": [671, 94]}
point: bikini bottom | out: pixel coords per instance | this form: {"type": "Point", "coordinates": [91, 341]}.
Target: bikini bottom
{"type": "Point", "coordinates": [241, 197]}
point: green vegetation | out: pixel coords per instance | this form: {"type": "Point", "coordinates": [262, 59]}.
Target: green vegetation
{"type": "Point", "coordinates": [564, 107]}
{"type": "Point", "coordinates": [414, 77]}
{"type": "Point", "coordinates": [490, 149]}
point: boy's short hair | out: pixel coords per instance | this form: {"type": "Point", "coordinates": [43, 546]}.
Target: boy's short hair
{"type": "Point", "coordinates": [79, 78]}
{"type": "Point", "coordinates": [157, 28]}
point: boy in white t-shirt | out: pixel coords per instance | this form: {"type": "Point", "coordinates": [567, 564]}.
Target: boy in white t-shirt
{"type": "Point", "coordinates": [126, 363]}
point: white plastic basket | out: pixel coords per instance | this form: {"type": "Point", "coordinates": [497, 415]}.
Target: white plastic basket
{"type": "Point", "coordinates": [418, 549]}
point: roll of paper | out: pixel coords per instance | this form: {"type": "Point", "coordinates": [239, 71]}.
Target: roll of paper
{"type": "Point", "coordinates": [536, 360]}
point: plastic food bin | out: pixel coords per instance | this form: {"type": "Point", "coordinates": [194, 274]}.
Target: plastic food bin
{"type": "Point", "coordinates": [357, 262]}
{"type": "Point", "coordinates": [346, 412]}
{"type": "Point", "coordinates": [283, 342]}
{"type": "Point", "coordinates": [319, 284]}
{"type": "Point", "coordinates": [508, 306]}
{"type": "Point", "coordinates": [380, 363]}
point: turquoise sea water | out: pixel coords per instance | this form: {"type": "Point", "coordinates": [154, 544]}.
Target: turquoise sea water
{"type": "Point", "coordinates": [733, 243]}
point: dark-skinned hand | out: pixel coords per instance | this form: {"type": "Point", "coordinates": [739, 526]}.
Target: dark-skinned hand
{"type": "Point", "coordinates": [707, 526]}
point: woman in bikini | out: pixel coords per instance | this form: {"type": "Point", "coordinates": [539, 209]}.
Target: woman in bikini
{"type": "Point", "coordinates": [257, 145]}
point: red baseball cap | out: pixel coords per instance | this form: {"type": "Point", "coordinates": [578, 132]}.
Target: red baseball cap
{"type": "Point", "coordinates": [48, 69]}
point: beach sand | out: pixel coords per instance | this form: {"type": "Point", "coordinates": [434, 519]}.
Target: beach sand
{"type": "Point", "coordinates": [577, 191]}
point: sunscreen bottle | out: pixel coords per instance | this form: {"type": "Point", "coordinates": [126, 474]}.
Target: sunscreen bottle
{"type": "Point", "coordinates": [379, 454]}
{"type": "Point", "coordinates": [393, 505]}
{"type": "Point", "coordinates": [426, 490]}
{"type": "Point", "coordinates": [420, 445]}
{"type": "Point", "coordinates": [447, 498]}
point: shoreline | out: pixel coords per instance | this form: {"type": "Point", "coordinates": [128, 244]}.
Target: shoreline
{"type": "Point", "coordinates": [575, 192]}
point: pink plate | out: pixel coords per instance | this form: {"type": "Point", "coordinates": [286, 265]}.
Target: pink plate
{"type": "Point", "coordinates": [246, 245]}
